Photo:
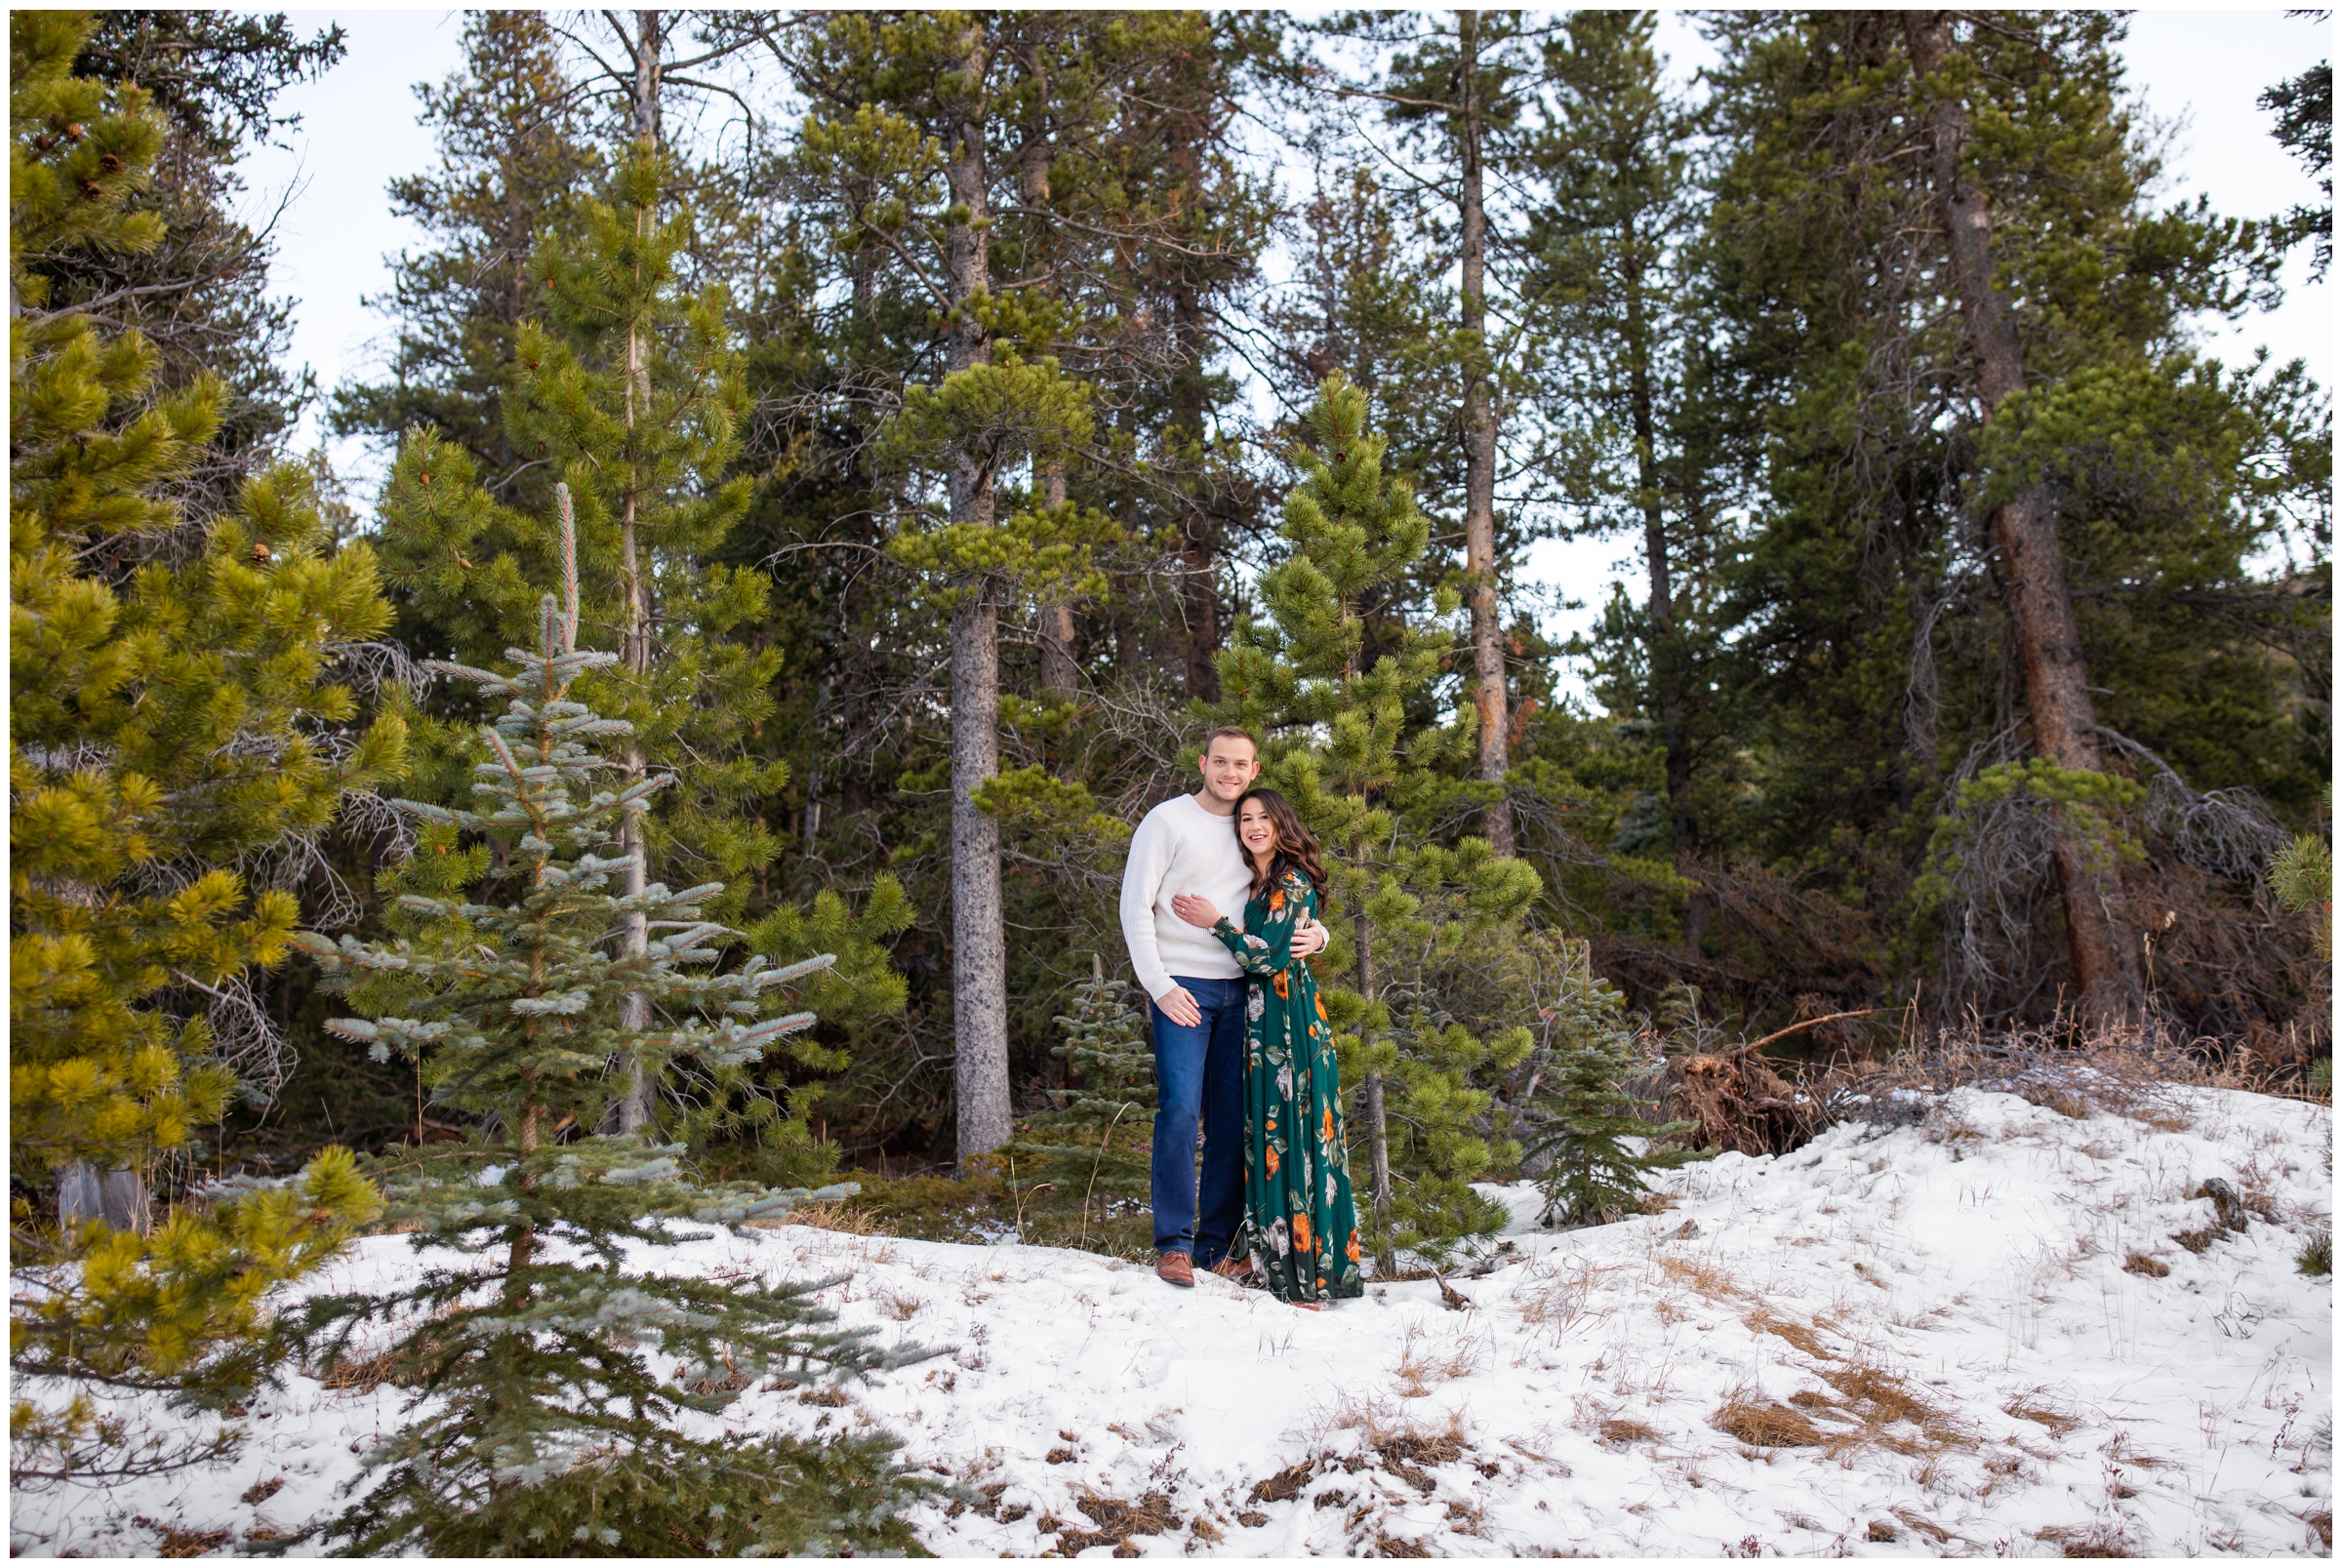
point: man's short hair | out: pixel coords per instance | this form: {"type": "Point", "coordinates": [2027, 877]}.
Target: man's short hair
{"type": "Point", "coordinates": [1232, 731]}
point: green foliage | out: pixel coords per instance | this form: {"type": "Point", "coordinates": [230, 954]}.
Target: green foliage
{"type": "Point", "coordinates": [2302, 876]}
{"type": "Point", "coordinates": [2318, 1254]}
{"type": "Point", "coordinates": [1346, 740]}
{"type": "Point", "coordinates": [1096, 1143]}
{"type": "Point", "coordinates": [512, 157]}
{"type": "Point", "coordinates": [629, 391]}
{"type": "Point", "coordinates": [167, 723]}
{"type": "Point", "coordinates": [543, 1423]}
{"type": "Point", "coordinates": [1589, 1110]}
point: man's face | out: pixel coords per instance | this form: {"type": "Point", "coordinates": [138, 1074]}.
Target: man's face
{"type": "Point", "coordinates": [1229, 766]}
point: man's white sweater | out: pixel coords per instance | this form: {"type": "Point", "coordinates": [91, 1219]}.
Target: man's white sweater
{"type": "Point", "coordinates": [1180, 848]}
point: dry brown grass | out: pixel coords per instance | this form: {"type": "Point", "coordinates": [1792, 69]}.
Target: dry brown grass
{"type": "Point", "coordinates": [900, 1306]}
{"type": "Point", "coordinates": [1560, 1297]}
{"type": "Point", "coordinates": [1764, 1423]}
{"type": "Point", "coordinates": [2138, 1262]}
{"type": "Point", "coordinates": [1620, 1432]}
{"type": "Point", "coordinates": [1888, 1411]}
{"type": "Point", "coordinates": [2198, 1241]}
{"type": "Point", "coordinates": [2039, 1409]}
{"type": "Point", "coordinates": [2096, 1540]}
{"type": "Point", "coordinates": [1764, 1320]}
{"type": "Point", "coordinates": [1706, 1278]}
{"type": "Point", "coordinates": [846, 1218]}
{"type": "Point", "coordinates": [179, 1542]}
{"type": "Point", "coordinates": [1421, 1363]}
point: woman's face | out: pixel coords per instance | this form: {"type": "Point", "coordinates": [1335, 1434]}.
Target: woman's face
{"type": "Point", "coordinates": [1255, 831]}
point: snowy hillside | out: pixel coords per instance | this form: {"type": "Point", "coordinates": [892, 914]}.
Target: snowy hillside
{"type": "Point", "coordinates": [1953, 1338]}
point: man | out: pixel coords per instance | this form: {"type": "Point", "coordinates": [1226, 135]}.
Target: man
{"type": "Point", "coordinates": [1189, 845]}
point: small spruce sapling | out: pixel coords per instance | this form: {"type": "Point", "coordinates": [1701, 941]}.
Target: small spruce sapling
{"type": "Point", "coordinates": [542, 1424]}
{"type": "Point", "coordinates": [1097, 1143]}
{"type": "Point", "coordinates": [1587, 1114]}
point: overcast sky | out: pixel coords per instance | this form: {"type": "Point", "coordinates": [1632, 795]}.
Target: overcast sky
{"type": "Point", "coordinates": [2196, 72]}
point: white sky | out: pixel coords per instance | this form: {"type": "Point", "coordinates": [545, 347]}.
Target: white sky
{"type": "Point", "coordinates": [2198, 73]}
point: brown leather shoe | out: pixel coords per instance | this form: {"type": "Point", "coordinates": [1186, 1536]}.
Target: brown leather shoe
{"type": "Point", "coordinates": [1234, 1270]}
{"type": "Point", "coordinates": [1176, 1268]}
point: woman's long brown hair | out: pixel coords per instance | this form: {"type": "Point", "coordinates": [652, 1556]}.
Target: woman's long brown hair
{"type": "Point", "coordinates": [1296, 846]}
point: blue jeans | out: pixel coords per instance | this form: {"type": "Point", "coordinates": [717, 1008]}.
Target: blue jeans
{"type": "Point", "coordinates": [1199, 1080]}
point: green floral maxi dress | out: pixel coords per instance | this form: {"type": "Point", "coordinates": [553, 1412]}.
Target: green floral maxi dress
{"type": "Point", "coordinates": [1300, 1223]}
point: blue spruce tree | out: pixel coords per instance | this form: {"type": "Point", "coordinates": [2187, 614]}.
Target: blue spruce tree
{"type": "Point", "coordinates": [555, 1386]}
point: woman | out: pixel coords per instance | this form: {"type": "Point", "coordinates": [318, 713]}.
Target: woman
{"type": "Point", "coordinates": [1299, 1220]}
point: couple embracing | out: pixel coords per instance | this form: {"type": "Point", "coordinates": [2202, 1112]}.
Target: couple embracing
{"type": "Point", "coordinates": [1219, 904]}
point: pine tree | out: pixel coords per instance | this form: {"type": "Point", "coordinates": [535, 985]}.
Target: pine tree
{"type": "Point", "coordinates": [631, 389]}
{"type": "Point", "coordinates": [1588, 1113]}
{"type": "Point", "coordinates": [1349, 742]}
{"type": "Point", "coordinates": [1096, 1143]}
{"type": "Point", "coordinates": [511, 154]}
{"type": "Point", "coordinates": [166, 727]}
{"type": "Point", "coordinates": [546, 1425]}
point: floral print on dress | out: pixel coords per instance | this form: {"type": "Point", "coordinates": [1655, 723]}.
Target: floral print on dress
{"type": "Point", "coordinates": [1300, 1221]}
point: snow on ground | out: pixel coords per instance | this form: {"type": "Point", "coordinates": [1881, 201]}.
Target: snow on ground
{"type": "Point", "coordinates": [1926, 1339]}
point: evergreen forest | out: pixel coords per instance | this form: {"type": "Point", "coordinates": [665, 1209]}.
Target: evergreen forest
{"type": "Point", "coordinates": [835, 468]}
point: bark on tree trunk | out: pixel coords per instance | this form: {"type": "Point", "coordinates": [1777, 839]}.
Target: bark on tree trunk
{"type": "Point", "coordinates": [649, 42]}
{"type": "Point", "coordinates": [1667, 663]}
{"type": "Point", "coordinates": [85, 1193]}
{"type": "Point", "coordinates": [1198, 531]}
{"type": "Point", "coordinates": [1480, 447]}
{"type": "Point", "coordinates": [635, 1108]}
{"type": "Point", "coordinates": [2041, 604]}
{"type": "Point", "coordinates": [1060, 674]}
{"type": "Point", "coordinates": [979, 940]}
{"type": "Point", "coordinates": [1378, 1123]}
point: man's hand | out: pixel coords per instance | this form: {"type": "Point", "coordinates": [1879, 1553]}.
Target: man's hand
{"type": "Point", "coordinates": [1309, 939]}
{"type": "Point", "coordinates": [1179, 1008]}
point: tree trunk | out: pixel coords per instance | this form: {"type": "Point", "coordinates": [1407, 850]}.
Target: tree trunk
{"type": "Point", "coordinates": [1061, 675]}
{"type": "Point", "coordinates": [85, 1193]}
{"type": "Point", "coordinates": [2041, 604]}
{"type": "Point", "coordinates": [1667, 663]}
{"type": "Point", "coordinates": [1480, 446]}
{"type": "Point", "coordinates": [648, 45]}
{"type": "Point", "coordinates": [1378, 1122]}
{"type": "Point", "coordinates": [979, 940]}
{"type": "Point", "coordinates": [635, 1110]}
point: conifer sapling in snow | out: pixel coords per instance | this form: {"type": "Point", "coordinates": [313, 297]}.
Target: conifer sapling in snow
{"type": "Point", "coordinates": [546, 1425]}
{"type": "Point", "coordinates": [1098, 1143]}
{"type": "Point", "coordinates": [1592, 1174]}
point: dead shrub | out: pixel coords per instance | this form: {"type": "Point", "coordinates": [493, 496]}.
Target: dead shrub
{"type": "Point", "coordinates": [1738, 1102]}
{"type": "Point", "coordinates": [1764, 1423]}
{"type": "Point", "coordinates": [899, 1306]}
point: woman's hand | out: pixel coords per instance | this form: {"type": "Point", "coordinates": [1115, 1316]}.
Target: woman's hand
{"type": "Point", "coordinates": [1195, 910]}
